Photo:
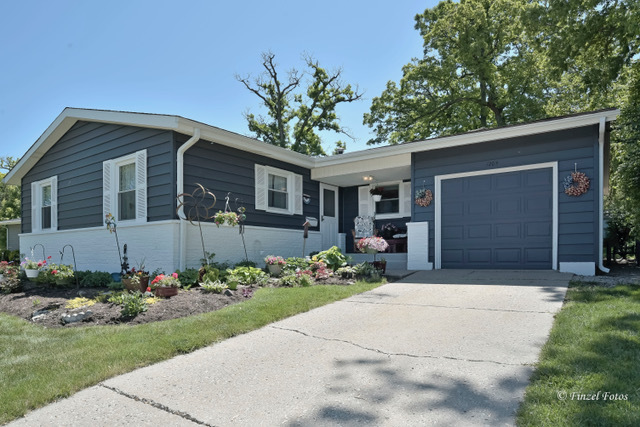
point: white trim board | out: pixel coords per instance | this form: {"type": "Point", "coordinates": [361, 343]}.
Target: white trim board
{"type": "Point", "coordinates": [554, 192]}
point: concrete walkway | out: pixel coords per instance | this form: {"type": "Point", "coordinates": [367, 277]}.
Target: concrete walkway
{"type": "Point", "coordinates": [443, 347]}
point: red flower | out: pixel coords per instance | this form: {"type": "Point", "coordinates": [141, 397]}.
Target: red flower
{"type": "Point", "coordinates": [49, 257]}
{"type": "Point", "coordinates": [54, 272]}
{"type": "Point", "coordinates": [148, 289]}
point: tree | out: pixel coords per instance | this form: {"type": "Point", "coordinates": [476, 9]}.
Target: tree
{"type": "Point", "coordinates": [294, 119]}
{"type": "Point", "coordinates": [493, 63]}
{"type": "Point", "coordinates": [478, 70]}
{"type": "Point", "coordinates": [9, 197]}
{"type": "Point", "coordinates": [625, 179]}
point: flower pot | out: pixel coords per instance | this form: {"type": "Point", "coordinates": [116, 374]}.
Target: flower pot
{"type": "Point", "coordinates": [370, 251]}
{"type": "Point", "coordinates": [31, 273]}
{"type": "Point", "coordinates": [165, 292]}
{"type": "Point", "coordinates": [275, 269]}
{"type": "Point", "coordinates": [380, 265]}
{"type": "Point", "coordinates": [376, 197]}
{"type": "Point", "coordinates": [140, 286]}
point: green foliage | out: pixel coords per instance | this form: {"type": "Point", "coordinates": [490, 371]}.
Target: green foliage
{"type": "Point", "coordinates": [188, 277]}
{"type": "Point", "coordinates": [215, 287]}
{"type": "Point", "coordinates": [133, 303]}
{"type": "Point", "coordinates": [11, 256]}
{"type": "Point", "coordinates": [625, 178]}
{"type": "Point", "coordinates": [208, 260]}
{"type": "Point", "coordinates": [296, 263]}
{"type": "Point", "coordinates": [245, 263]}
{"type": "Point", "coordinates": [347, 272]}
{"type": "Point", "coordinates": [93, 279]}
{"type": "Point", "coordinates": [333, 257]}
{"type": "Point", "coordinates": [211, 275]}
{"type": "Point", "coordinates": [79, 302]}
{"type": "Point", "coordinates": [367, 271]}
{"type": "Point", "coordinates": [115, 286]}
{"type": "Point", "coordinates": [290, 280]}
{"type": "Point", "coordinates": [294, 119]}
{"type": "Point", "coordinates": [246, 275]}
{"type": "Point", "coordinates": [9, 197]}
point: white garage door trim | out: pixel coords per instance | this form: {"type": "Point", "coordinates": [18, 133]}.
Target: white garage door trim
{"type": "Point", "coordinates": [554, 192]}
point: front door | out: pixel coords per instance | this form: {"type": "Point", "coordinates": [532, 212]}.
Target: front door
{"type": "Point", "coordinates": [328, 215]}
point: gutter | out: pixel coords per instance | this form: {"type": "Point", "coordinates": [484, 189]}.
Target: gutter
{"type": "Point", "coordinates": [601, 136]}
{"type": "Point", "coordinates": [182, 235]}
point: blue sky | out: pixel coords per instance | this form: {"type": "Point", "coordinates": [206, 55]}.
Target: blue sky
{"type": "Point", "coordinates": [180, 57]}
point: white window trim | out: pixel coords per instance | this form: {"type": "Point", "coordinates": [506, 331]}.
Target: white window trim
{"type": "Point", "coordinates": [36, 204]}
{"type": "Point", "coordinates": [403, 193]}
{"type": "Point", "coordinates": [554, 192]}
{"type": "Point", "coordinates": [294, 190]}
{"type": "Point", "coordinates": [111, 186]}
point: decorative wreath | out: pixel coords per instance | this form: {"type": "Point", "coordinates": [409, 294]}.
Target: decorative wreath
{"type": "Point", "coordinates": [576, 184]}
{"type": "Point", "coordinates": [424, 197]}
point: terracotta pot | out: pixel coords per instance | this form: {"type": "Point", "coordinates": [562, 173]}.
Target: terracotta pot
{"type": "Point", "coordinates": [166, 292]}
{"type": "Point", "coordinates": [380, 265]}
{"type": "Point", "coordinates": [142, 286]}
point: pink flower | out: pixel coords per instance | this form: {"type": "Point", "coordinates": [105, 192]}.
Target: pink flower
{"type": "Point", "coordinates": [54, 272]}
{"type": "Point", "coordinates": [175, 275]}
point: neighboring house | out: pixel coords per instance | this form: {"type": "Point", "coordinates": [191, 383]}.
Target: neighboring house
{"type": "Point", "coordinates": [498, 194]}
{"type": "Point", "coordinates": [13, 230]}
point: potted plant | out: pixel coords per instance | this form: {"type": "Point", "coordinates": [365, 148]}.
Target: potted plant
{"type": "Point", "coordinates": [376, 193]}
{"type": "Point", "coordinates": [62, 274]}
{"type": "Point", "coordinates": [388, 230]}
{"type": "Point", "coordinates": [165, 285]}
{"type": "Point", "coordinates": [372, 245]}
{"type": "Point", "coordinates": [381, 265]}
{"type": "Point", "coordinates": [32, 268]}
{"type": "Point", "coordinates": [229, 218]}
{"type": "Point", "coordinates": [4, 269]}
{"type": "Point", "coordinates": [275, 264]}
{"type": "Point", "coordinates": [136, 279]}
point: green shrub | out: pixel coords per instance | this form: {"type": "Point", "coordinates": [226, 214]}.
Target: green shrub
{"type": "Point", "coordinates": [115, 286]}
{"type": "Point", "coordinates": [247, 275]}
{"type": "Point", "coordinates": [211, 275]}
{"type": "Point", "coordinates": [133, 303]}
{"type": "Point", "coordinates": [215, 287]}
{"type": "Point", "coordinates": [333, 257]}
{"type": "Point", "coordinates": [304, 280]}
{"type": "Point", "coordinates": [295, 263]}
{"type": "Point", "coordinates": [10, 284]}
{"type": "Point", "coordinates": [245, 263]}
{"type": "Point", "coordinates": [93, 279]}
{"type": "Point", "coordinates": [189, 276]}
{"type": "Point", "coordinates": [290, 280]}
{"type": "Point", "coordinates": [367, 271]}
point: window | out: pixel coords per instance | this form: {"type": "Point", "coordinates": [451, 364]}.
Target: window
{"type": "Point", "coordinates": [124, 189]}
{"type": "Point", "coordinates": [44, 205]}
{"type": "Point", "coordinates": [396, 201]}
{"type": "Point", "coordinates": [278, 191]}
{"type": "Point", "coordinates": [390, 202]}
{"type": "Point", "coordinates": [278, 196]}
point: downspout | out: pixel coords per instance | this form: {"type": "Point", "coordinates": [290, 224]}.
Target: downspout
{"type": "Point", "coordinates": [601, 135]}
{"type": "Point", "coordinates": [182, 235]}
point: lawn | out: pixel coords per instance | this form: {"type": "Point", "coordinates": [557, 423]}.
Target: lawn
{"type": "Point", "coordinates": [589, 370]}
{"type": "Point", "coordinates": [38, 366]}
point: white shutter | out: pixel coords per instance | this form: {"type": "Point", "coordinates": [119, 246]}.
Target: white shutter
{"type": "Point", "coordinates": [364, 201]}
{"type": "Point", "coordinates": [408, 199]}
{"type": "Point", "coordinates": [297, 194]}
{"type": "Point", "coordinates": [54, 203]}
{"type": "Point", "coordinates": [141, 186]}
{"type": "Point", "coordinates": [106, 189]}
{"type": "Point", "coordinates": [35, 223]}
{"type": "Point", "coordinates": [261, 187]}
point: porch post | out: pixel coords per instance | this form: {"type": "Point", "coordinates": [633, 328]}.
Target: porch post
{"type": "Point", "coordinates": [418, 246]}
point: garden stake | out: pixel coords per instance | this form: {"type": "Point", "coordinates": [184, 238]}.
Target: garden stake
{"type": "Point", "coordinates": [305, 236]}
{"type": "Point", "coordinates": [41, 245]}
{"type": "Point", "coordinates": [75, 267]}
{"type": "Point", "coordinates": [198, 195]}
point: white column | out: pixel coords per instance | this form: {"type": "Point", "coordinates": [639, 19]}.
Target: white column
{"type": "Point", "coordinates": [418, 246]}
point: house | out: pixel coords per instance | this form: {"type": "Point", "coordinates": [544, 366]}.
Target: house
{"type": "Point", "coordinates": [498, 195]}
{"type": "Point", "coordinates": [12, 227]}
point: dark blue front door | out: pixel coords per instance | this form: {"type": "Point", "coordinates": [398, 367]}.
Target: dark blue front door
{"type": "Point", "coordinates": [501, 221]}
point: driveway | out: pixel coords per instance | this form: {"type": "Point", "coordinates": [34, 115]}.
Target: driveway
{"type": "Point", "coordinates": [448, 347]}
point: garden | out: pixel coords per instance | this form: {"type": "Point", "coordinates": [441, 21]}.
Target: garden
{"type": "Point", "coordinates": [54, 295]}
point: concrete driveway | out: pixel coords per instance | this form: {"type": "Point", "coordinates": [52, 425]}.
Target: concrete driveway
{"type": "Point", "coordinates": [447, 347]}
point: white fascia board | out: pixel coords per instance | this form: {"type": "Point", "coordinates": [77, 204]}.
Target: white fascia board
{"type": "Point", "coordinates": [469, 138]}
{"type": "Point", "coordinates": [244, 143]}
{"type": "Point", "coordinates": [10, 222]}
{"type": "Point", "coordinates": [360, 166]}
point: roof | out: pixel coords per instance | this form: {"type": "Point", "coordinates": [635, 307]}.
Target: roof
{"type": "Point", "coordinates": [323, 166]}
{"type": "Point", "coordinates": [15, 221]}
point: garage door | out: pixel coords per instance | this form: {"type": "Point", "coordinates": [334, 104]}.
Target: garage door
{"type": "Point", "coordinates": [501, 221]}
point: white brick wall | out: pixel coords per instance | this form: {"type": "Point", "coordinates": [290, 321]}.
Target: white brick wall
{"type": "Point", "coordinates": [158, 242]}
{"type": "Point", "coordinates": [418, 246]}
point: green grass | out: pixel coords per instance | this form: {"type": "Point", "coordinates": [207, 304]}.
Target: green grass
{"type": "Point", "coordinates": [38, 366]}
{"type": "Point", "coordinates": [594, 347]}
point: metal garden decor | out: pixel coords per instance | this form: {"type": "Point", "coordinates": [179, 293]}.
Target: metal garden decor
{"type": "Point", "coordinates": [110, 222]}
{"type": "Point", "coordinates": [197, 206]}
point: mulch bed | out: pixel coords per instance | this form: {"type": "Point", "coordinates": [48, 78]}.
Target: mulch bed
{"type": "Point", "coordinates": [35, 299]}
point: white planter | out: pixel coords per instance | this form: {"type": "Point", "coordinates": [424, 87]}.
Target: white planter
{"type": "Point", "coordinates": [275, 269]}
{"type": "Point", "coordinates": [376, 197]}
{"type": "Point", "coordinates": [31, 273]}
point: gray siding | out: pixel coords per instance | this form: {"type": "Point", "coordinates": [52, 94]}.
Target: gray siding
{"type": "Point", "coordinates": [577, 216]}
{"type": "Point", "coordinates": [77, 161]}
{"type": "Point", "coordinates": [223, 169]}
